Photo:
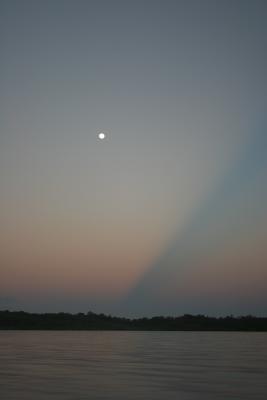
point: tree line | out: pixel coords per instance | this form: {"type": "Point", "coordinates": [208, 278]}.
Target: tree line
{"type": "Point", "coordinates": [92, 321]}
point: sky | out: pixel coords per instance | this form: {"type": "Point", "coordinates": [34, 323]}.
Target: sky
{"type": "Point", "coordinates": [166, 215]}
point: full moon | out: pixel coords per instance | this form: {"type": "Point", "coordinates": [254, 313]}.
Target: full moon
{"type": "Point", "coordinates": [101, 136]}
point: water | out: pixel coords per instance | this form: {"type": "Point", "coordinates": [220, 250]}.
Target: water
{"type": "Point", "coordinates": [41, 365]}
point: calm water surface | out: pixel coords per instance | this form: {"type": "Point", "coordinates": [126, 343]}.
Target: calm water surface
{"type": "Point", "coordinates": [132, 365]}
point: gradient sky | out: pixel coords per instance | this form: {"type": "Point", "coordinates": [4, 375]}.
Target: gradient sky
{"type": "Point", "coordinates": [168, 214]}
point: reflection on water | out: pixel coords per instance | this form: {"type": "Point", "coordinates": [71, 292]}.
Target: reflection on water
{"type": "Point", "coordinates": [132, 365]}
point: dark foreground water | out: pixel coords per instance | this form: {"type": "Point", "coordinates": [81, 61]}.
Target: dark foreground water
{"type": "Point", "coordinates": [132, 365]}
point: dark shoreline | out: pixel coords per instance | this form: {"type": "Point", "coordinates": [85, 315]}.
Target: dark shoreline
{"type": "Point", "coordinates": [20, 320]}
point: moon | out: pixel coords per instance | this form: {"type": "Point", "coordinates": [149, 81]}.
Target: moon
{"type": "Point", "coordinates": [101, 136]}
